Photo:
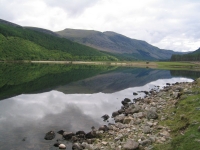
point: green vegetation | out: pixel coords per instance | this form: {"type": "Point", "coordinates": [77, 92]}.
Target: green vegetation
{"type": "Point", "coordinates": [184, 122]}
{"type": "Point", "coordinates": [177, 65]}
{"type": "Point", "coordinates": [194, 56]}
{"type": "Point", "coordinates": [20, 78]}
{"type": "Point", "coordinates": [18, 43]}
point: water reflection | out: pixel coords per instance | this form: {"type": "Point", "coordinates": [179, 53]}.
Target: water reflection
{"type": "Point", "coordinates": [30, 116]}
{"type": "Point", "coordinates": [114, 81]}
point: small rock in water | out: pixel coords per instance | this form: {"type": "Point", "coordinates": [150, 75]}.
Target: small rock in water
{"type": "Point", "coordinates": [127, 100]}
{"type": "Point", "coordinates": [61, 132]}
{"type": "Point", "coordinates": [105, 117]}
{"type": "Point", "coordinates": [50, 135]}
{"type": "Point", "coordinates": [134, 93]}
{"type": "Point", "coordinates": [62, 146]}
{"type": "Point", "coordinates": [68, 135]}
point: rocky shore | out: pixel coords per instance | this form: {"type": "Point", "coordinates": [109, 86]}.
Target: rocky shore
{"type": "Point", "coordinates": [137, 122]}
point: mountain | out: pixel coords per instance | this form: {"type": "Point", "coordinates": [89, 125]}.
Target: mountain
{"type": "Point", "coordinates": [117, 44]}
{"type": "Point", "coordinates": [192, 56]}
{"type": "Point", "coordinates": [28, 43]}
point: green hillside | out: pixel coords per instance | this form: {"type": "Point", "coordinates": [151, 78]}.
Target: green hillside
{"type": "Point", "coordinates": [193, 56]}
{"type": "Point", "coordinates": [19, 43]}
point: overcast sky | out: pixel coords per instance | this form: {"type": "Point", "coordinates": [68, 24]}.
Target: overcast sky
{"type": "Point", "coordinates": [167, 24]}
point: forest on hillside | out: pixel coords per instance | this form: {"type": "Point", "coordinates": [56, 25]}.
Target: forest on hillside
{"type": "Point", "coordinates": [194, 56]}
{"type": "Point", "coordinates": [18, 43]}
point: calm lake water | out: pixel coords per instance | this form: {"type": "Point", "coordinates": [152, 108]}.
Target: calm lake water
{"type": "Point", "coordinates": [37, 98]}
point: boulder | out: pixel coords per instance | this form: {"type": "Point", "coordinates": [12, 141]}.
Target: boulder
{"type": "Point", "coordinates": [130, 145]}
{"type": "Point", "coordinates": [132, 109]}
{"type": "Point", "coordinates": [68, 135]}
{"type": "Point", "coordinates": [119, 118]}
{"type": "Point", "coordinates": [77, 146]}
{"type": "Point", "coordinates": [120, 111]}
{"type": "Point", "coordinates": [145, 142]}
{"type": "Point", "coordinates": [114, 114]}
{"type": "Point", "coordinates": [146, 129]}
{"type": "Point", "coordinates": [127, 120]}
{"type": "Point", "coordinates": [152, 114]}
{"type": "Point", "coordinates": [104, 128]}
{"type": "Point", "coordinates": [80, 134]}
{"type": "Point", "coordinates": [91, 134]}
{"type": "Point", "coordinates": [50, 135]}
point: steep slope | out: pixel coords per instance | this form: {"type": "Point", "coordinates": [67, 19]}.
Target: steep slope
{"type": "Point", "coordinates": [117, 44]}
{"type": "Point", "coordinates": [21, 43]}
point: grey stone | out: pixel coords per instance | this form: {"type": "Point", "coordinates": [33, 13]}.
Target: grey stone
{"type": "Point", "coordinates": [119, 118]}
{"type": "Point", "coordinates": [145, 142]}
{"type": "Point", "coordinates": [127, 120]}
{"type": "Point", "coordinates": [130, 145]}
{"type": "Point", "coordinates": [146, 129]}
{"type": "Point", "coordinates": [152, 114]}
{"type": "Point", "coordinates": [120, 136]}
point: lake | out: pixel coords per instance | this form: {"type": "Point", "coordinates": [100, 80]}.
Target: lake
{"type": "Point", "coordinates": [37, 98]}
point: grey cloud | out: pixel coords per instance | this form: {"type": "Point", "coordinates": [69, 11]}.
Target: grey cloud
{"type": "Point", "coordinates": [74, 7]}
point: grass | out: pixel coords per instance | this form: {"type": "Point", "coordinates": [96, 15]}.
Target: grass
{"type": "Point", "coordinates": [184, 122]}
{"type": "Point", "coordinates": [177, 65]}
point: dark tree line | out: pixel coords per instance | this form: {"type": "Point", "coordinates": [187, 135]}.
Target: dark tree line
{"type": "Point", "coordinates": [194, 56]}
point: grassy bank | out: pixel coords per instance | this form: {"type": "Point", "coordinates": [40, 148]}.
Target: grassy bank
{"type": "Point", "coordinates": [139, 64]}
{"type": "Point", "coordinates": [184, 121]}
{"type": "Point", "coordinates": [178, 65]}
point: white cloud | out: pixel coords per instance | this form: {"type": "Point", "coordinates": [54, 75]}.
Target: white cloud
{"type": "Point", "coordinates": [166, 24]}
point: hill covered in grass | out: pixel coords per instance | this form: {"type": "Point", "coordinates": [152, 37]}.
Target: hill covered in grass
{"type": "Point", "coordinates": [22, 43]}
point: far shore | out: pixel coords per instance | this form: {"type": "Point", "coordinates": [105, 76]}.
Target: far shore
{"type": "Point", "coordinates": [140, 64]}
{"type": "Point", "coordinates": [136, 64]}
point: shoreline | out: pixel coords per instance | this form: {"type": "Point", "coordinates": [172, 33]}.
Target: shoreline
{"type": "Point", "coordinates": [140, 125]}
{"type": "Point", "coordinates": [135, 64]}
{"type": "Point", "coordinates": [193, 66]}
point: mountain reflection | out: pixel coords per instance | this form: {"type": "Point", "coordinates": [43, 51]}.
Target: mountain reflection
{"type": "Point", "coordinates": [115, 81]}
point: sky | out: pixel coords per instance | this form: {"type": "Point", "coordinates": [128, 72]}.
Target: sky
{"type": "Point", "coordinates": [167, 24]}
